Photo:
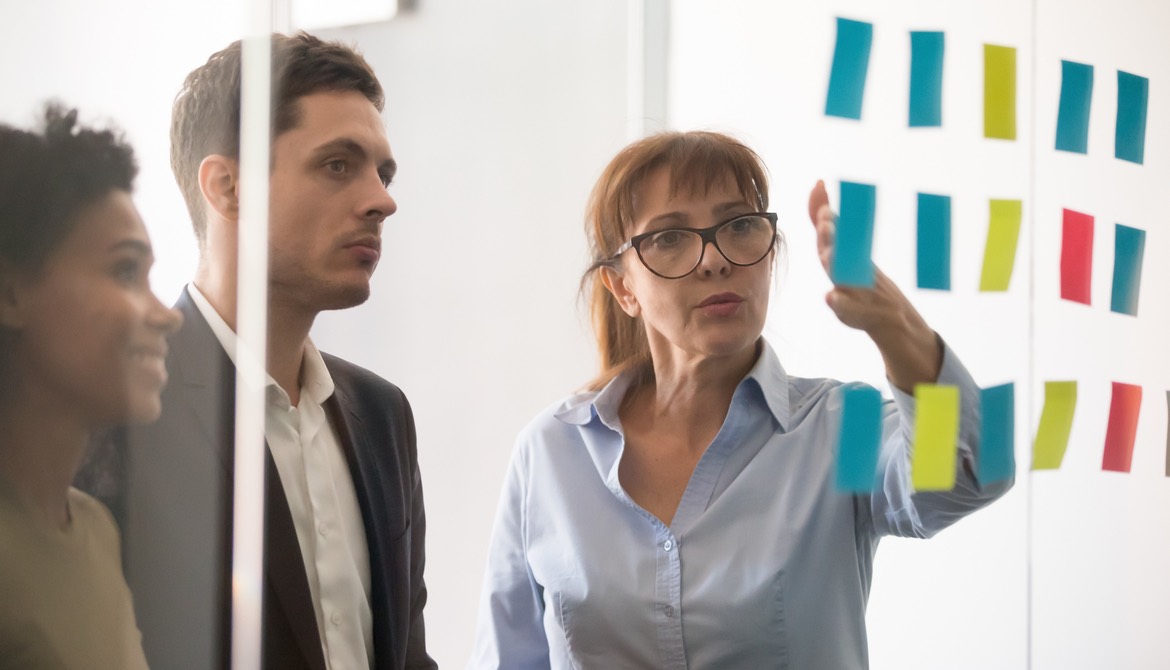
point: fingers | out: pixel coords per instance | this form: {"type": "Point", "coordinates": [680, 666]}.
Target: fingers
{"type": "Point", "coordinates": [817, 200]}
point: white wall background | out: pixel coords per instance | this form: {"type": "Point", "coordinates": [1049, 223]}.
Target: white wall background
{"type": "Point", "coordinates": [502, 114]}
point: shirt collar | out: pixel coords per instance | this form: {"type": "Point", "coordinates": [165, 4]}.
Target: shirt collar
{"type": "Point", "coordinates": [767, 374]}
{"type": "Point", "coordinates": [316, 382]}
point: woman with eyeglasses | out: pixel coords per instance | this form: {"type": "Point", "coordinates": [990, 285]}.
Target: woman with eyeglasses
{"type": "Point", "coordinates": [682, 512]}
{"type": "Point", "coordinates": [82, 344]}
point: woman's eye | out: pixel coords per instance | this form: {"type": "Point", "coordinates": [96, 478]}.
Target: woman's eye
{"type": "Point", "coordinates": [666, 239]}
{"type": "Point", "coordinates": [128, 271]}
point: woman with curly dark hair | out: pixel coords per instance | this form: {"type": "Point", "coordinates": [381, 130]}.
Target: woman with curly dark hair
{"type": "Point", "coordinates": [82, 343]}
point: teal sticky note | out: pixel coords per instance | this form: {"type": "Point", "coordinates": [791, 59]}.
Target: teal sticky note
{"type": "Point", "coordinates": [850, 63]}
{"type": "Point", "coordinates": [997, 430]}
{"type": "Point", "coordinates": [1133, 94]}
{"type": "Point", "coordinates": [1128, 248]}
{"type": "Point", "coordinates": [859, 440]}
{"type": "Point", "coordinates": [926, 78]}
{"type": "Point", "coordinates": [852, 252]}
{"type": "Point", "coordinates": [934, 241]}
{"type": "Point", "coordinates": [1076, 94]}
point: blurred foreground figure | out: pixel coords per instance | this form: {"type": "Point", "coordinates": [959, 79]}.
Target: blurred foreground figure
{"type": "Point", "coordinates": [82, 346]}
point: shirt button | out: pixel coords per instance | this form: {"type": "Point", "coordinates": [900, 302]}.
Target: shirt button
{"type": "Point", "coordinates": [668, 611]}
{"type": "Point", "coordinates": [321, 529]}
{"type": "Point", "coordinates": [335, 618]}
{"type": "Point", "coordinates": [668, 545]}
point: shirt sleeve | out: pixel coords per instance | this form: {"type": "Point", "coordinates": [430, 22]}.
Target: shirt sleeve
{"type": "Point", "coordinates": [897, 509]}
{"type": "Point", "coordinates": [510, 633]}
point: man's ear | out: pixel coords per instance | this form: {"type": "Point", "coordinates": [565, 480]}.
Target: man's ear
{"type": "Point", "coordinates": [615, 283]}
{"type": "Point", "coordinates": [219, 180]}
{"type": "Point", "coordinates": [12, 315]}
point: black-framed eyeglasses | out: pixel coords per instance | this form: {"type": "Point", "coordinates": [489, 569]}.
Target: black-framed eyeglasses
{"type": "Point", "coordinates": [673, 253]}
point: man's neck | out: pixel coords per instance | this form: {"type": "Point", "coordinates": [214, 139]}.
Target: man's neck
{"type": "Point", "coordinates": [288, 331]}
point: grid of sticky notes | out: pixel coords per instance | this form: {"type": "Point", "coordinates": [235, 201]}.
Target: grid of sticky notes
{"type": "Point", "coordinates": [937, 414]}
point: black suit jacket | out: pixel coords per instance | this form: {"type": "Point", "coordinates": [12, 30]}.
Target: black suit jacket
{"type": "Point", "coordinates": [177, 531]}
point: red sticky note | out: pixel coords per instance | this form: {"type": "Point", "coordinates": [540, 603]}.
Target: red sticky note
{"type": "Point", "coordinates": [1076, 257]}
{"type": "Point", "coordinates": [1123, 418]}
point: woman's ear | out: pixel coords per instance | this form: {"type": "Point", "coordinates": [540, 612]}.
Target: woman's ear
{"type": "Point", "coordinates": [219, 180]}
{"type": "Point", "coordinates": [615, 282]}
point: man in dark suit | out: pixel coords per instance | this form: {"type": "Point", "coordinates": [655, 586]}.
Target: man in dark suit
{"type": "Point", "coordinates": [344, 521]}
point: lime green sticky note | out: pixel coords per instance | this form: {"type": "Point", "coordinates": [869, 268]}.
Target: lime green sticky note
{"type": "Point", "coordinates": [1060, 402]}
{"type": "Point", "coordinates": [936, 431]}
{"type": "Point", "coordinates": [1003, 235]}
{"type": "Point", "coordinates": [999, 92]}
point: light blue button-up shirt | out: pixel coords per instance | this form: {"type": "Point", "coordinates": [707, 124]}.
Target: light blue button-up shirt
{"type": "Point", "coordinates": [765, 564]}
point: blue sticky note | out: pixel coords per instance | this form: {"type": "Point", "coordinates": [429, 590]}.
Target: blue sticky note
{"type": "Point", "coordinates": [1133, 94]}
{"type": "Point", "coordinates": [926, 75]}
{"type": "Point", "coordinates": [852, 254]}
{"type": "Point", "coordinates": [860, 438]}
{"type": "Point", "coordinates": [934, 241]}
{"type": "Point", "coordinates": [997, 430]}
{"type": "Point", "coordinates": [1129, 247]}
{"type": "Point", "coordinates": [1076, 94]}
{"type": "Point", "coordinates": [850, 62]}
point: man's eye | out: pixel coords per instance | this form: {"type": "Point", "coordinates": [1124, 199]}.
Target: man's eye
{"type": "Point", "coordinates": [338, 167]}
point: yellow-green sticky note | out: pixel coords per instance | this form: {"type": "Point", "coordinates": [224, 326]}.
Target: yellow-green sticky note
{"type": "Point", "coordinates": [999, 92]}
{"type": "Point", "coordinates": [1060, 402]}
{"type": "Point", "coordinates": [936, 431]}
{"type": "Point", "coordinates": [1003, 235]}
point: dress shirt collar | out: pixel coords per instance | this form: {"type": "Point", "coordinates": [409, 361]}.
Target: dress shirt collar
{"type": "Point", "coordinates": [767, 374]}
{"type": "Point", "coordinates": [316, 381]}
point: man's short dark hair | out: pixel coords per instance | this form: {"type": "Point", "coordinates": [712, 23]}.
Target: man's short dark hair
{"type": "Point", "coordinates": [46, 176]}
{"type": "Point", "coordinates": [206, 116]}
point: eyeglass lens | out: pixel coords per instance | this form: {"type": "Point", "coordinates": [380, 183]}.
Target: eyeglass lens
{"type": "Point", "coordinates": [674, 253]}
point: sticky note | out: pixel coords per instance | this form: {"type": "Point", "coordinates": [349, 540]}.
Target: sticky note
{"type": "Point", "coordinates": [997, 431]}
{"type": "Point", "coordinates": [1129, 245]}
{"type": "Point", "coordinates": [860, 439]}
{"type": "Point", "coordinates": [926, 77]}
{"type": "Point", "coordinates": [1076, 94]}
{"type": "Point", "coordinates": [999, 92]}
{"type": "Point", "coordinates": [850, 62]}
{"type": "Point", "coordinates": [1076, 257]}
{"type": "Point", "coordinates": [934, 241]}
{"type": "Point", "coordinates": [936, 434]}
{"type": "Point", "coordinates": [1133, 93]}
{"type": "Point", "coordinates": [1060, 403]}
{"type": "Point", "coordinates": [1003, 235]}
{"type": "Point", "coordinates": [1122, 429]}
{"type": "Point", "coordinates": [852, 263]}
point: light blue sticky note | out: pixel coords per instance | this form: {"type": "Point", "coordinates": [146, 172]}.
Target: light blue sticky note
{"type": "Point", "coordinates": [860, 438]}
{"type": "Point", "coordinates": [1133, 94]}
{"type": "Point", "coordinates": [997, 443]}
{"type": "Point", "coordinates": [1076, 94]}
{"type": "Point", "coordinates": [934, 241]}
{"type": "Point", "coordinates": [852, 253]}
{"type": "Point", "coordinates": [1129, 247]}
{"type": "Point", "coordinates": [926, 77]}
{"type": "Point", "coordinates": [850, 62]}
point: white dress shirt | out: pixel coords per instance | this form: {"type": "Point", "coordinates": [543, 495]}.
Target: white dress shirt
{"type": "Point", "coordinates": [317, 482]}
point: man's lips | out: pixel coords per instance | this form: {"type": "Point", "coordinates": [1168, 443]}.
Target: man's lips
{"type": "Point", "coordinates": [368, 247]}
